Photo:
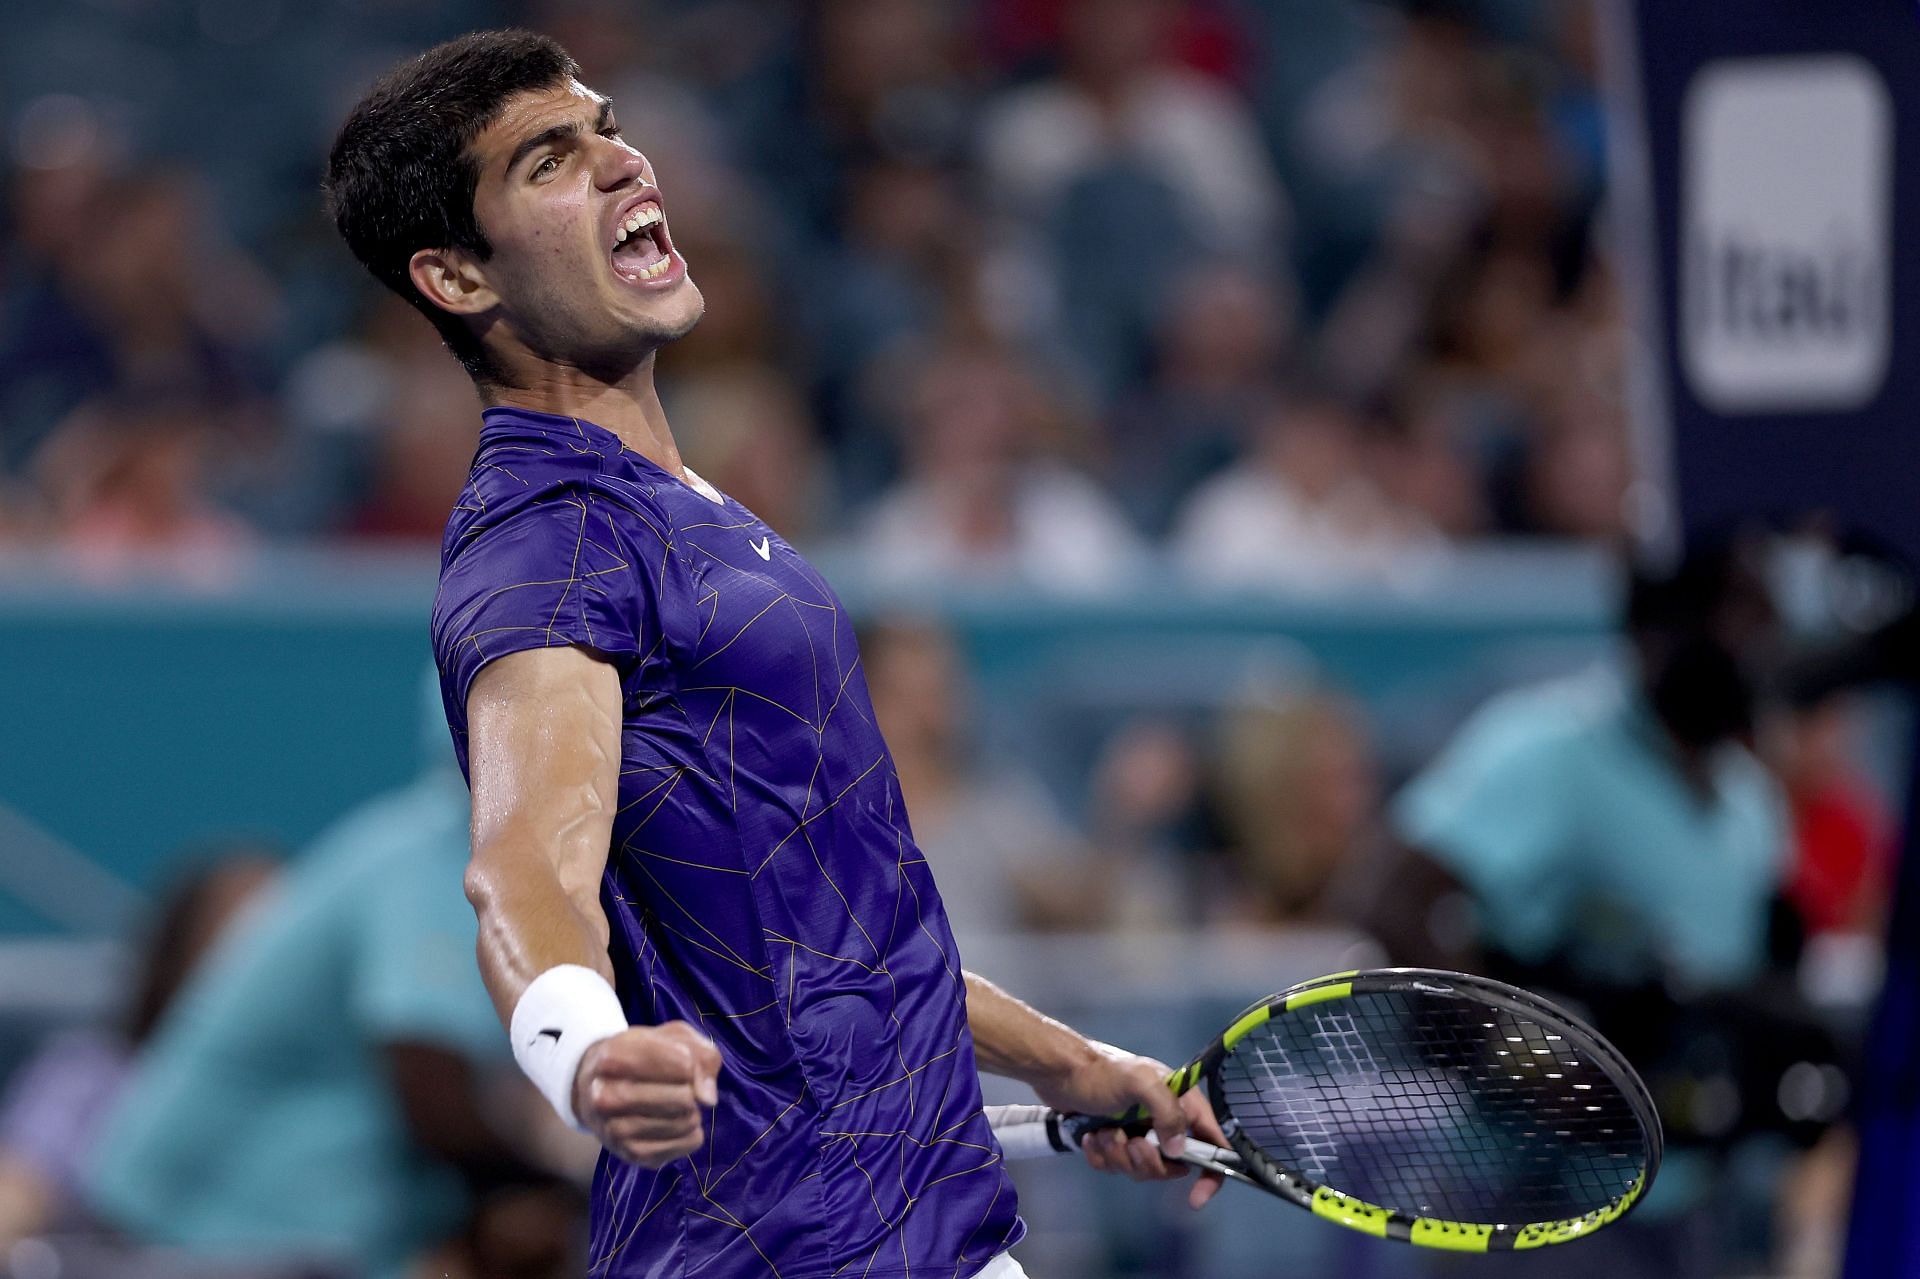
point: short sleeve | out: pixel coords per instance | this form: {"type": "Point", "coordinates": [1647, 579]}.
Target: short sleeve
{"type": "Point", "coordinates": [552, 572]}
{"type": "Point", "coordinates": [1499, 809]}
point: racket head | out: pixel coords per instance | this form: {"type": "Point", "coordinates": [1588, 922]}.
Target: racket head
{"type": "Point", "coordinates": [1437, 1108]}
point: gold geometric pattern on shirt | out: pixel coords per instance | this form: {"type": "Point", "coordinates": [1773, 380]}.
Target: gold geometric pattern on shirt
{"type": "Point", "coordinates": [649, 787]}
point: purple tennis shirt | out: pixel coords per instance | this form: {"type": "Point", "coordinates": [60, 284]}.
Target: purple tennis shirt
{"type": "Point", "coordinates": [762, 884]}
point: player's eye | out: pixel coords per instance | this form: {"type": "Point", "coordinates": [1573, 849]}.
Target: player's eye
{"type": "Point", "coordinates": [545, 167]}
{"type": "Point", "coordinates": [612, 131]}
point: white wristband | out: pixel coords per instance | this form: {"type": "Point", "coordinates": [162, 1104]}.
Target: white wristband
{"type": "Point", "coordinates": [562, 1013]}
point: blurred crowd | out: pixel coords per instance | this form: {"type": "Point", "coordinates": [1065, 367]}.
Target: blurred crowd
{"type": "Point", "coordinates": [1297, 295]}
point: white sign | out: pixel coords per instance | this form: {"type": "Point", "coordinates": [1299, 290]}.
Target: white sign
{"type": "Point", "coordinates": [1785, 224]}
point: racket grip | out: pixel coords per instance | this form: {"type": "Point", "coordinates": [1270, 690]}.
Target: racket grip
{"type": "Point", "coordinates": [1031, 1132]}
{"type": "Point", "coordinates": [1028, 1132]}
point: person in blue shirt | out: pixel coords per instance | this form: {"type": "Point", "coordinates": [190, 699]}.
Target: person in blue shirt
{"type": "Point", "coordinates": [316, 1092]}
{"type": "Point", "coordinates": [703, 916]}
{"type": "Point", "coordinates": [1614, 824]}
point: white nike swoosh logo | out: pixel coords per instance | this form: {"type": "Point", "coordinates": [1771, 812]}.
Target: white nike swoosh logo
{"type": "Point", "coordinates": [763, 548]}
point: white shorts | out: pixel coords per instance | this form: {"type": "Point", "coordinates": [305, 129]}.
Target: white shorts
{"type": "Point", "coordinates": [1002, 1267]}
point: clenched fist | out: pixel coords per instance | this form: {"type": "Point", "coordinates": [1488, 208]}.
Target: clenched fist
{"type": "Point", "coordinates": [640, 1091]}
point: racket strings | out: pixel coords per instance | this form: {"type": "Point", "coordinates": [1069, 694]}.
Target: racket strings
{"type": "Point", "coordinates": [1436, 1107]}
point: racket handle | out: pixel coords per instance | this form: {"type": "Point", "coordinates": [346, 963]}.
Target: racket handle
{"type": "Point", "coordinates": [1029, 1132]}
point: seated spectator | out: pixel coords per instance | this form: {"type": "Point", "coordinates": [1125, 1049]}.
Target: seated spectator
{"type": "Point", "coordinates": [1298, 794]}
{"type": "Point", "coordinates": [1109, 179]}
{"type": "Point", "coordinates": [1428, 460]}
{"type": "Point", "coordinates": [1577, 473]}
{"type": "Point", "coordinates": [1121, 97]}
{"type": "Point", "coordinates": [51, 356]}
{"type": "Point", "coordinates": [986, 496]}
{"type": "Point", "coordinates": [1146, 821]}
{"type": "Point", "coordinates": [181, 308]}
{"type": "Point", "coordinates": [904, 263]}
{"type": "Point", "coordinates": [427, 430]}
{"type": "Point", "coordinates": [747, 432]}
{"type": "Point", "coordinates": [50, 1118]}
{"type": "Point", "coordinates": [127, 481]}
{"type": "Point", "coordinates": [1299, 511]}
{"type": "Point", "coordinates": [1000, 849]}
{"type": "Point", "coordinates": [1226, 337]}
{"type": "Point", "coordinates": [852, 79]}
{"type": "Point", "coordinates": [320, 1093]}
{"type": "Point", "coordinates": [1842, 833]}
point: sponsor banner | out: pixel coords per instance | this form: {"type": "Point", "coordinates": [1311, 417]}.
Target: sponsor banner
{"type": "Point", "coordinates": [1772, 176]}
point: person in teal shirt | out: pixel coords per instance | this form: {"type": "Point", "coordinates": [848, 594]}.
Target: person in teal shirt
{"type": "Point", "coordinates": [1613, 823]}
{"type": "Point", "coordinates": [1568, 814]}
{"type": "Point", "coordinates": [315, 1092]}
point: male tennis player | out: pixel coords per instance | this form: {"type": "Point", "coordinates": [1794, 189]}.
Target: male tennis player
{"type": "Point", "coordinates": [703, 917]}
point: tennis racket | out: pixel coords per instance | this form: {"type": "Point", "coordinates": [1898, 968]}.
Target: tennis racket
{"type": "Point", "coordinates": [1436, 1108]}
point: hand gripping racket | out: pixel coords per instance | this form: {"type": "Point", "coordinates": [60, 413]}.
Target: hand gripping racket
{"type": "Point", "coordinates": [1435, 1108]}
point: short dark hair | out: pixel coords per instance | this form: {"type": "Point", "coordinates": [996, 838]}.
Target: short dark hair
{"type": "Point", "coordinates": [401, 176]}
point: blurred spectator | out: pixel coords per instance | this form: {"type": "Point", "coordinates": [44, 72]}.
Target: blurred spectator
{"type": "Point", "coordinates": [747, 432]}
{"type": "Point", "coordinates": [855, 79]}
{"type": "Point", "coordinates": [151, 300]}
{"type": "Point", "coordinates": [1121, 100]}
{"type": "Point", "coordinates": [901, 275]}
{"type": "Point", "coordinates": [50, 357]}
{"type": "Point", "coordinates": [1577, 475]}
{"type": "Point", "coordinates": [1617, 825]}
{"type": "Point", "coordinates": [987, 496]}
{"type": "Point", "coordinates": [742, 321]}
{"type": "Point", "coordinates": [1611, 837]}
{"type": "Point", "coordinates": [1225, 339]}
{"type": "Point", "coordinates": [1114, 177]}
{"type": "Point", "coordinates": [1300, 512]}
{"type": "Point", "coordinates": [1842, 833]}
{"type": "Point", "coordinates": [1298, 793]}
{"type": "Point", "coordinates": [321, 1092]}
{"type": "Point", "coordinates": [178, 306]}
{"type": "Point", "coordinates": [126, 484]}
{"type": "Point", "coordinates": [1004, 856]}
{"type": "Point", "coordinates": [339, 399]}
{"type": "Point", "coordinates": [51, 1117]}
{"type": "Point", "coordinates": [1426, 457]}
{"type": "Point", "coordinates": [429, 427]}
{"type": "Point", "coordinates": [1146, 820]}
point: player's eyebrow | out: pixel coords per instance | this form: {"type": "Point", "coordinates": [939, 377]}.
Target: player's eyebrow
{"type": "Point", "coordinates": [556, 133]}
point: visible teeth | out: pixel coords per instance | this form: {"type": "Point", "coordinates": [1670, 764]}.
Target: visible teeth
{"type": "Point", "coordinates": [641, 217]}
{"type": "Point", "coordinates": [657, 270]}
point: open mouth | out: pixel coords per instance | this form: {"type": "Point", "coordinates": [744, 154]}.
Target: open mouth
{"type": "Point", "coordinates": [642, 249]}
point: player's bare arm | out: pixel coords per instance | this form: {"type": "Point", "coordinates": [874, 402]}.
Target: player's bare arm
{"type": "Point", "coordinates": [1068, 1071]}
{"type": "Point", "coordinates": [545, 759]}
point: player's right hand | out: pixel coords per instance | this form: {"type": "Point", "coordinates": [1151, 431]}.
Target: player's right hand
{"type": "Point", "coordinates": [640, 1091]}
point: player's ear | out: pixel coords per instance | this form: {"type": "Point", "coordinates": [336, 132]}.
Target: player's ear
{"type": "Point", "coordinates": [451, 280]}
